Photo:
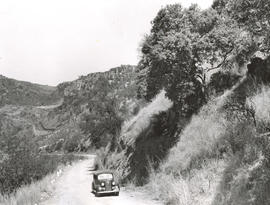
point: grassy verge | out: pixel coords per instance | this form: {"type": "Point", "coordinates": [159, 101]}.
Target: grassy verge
{"type": "Point", "coordinates": [34, 192]}
{"type": "Point", "coordinates": [39, 190]}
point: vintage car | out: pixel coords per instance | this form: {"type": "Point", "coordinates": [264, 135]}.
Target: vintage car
{"type": "Point", "coordinates": [104, 184]}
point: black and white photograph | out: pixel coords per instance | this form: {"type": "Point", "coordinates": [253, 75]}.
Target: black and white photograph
{"type": "Point", "coordinates": [146, 102]}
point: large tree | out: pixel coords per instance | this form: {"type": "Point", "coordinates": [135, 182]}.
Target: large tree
{"type": "Point", "coordinates": [254, 16]}
{"type": "Point", "coordinates": [182, 46]}
{"type": "Point", "coordinates": [102, 121]}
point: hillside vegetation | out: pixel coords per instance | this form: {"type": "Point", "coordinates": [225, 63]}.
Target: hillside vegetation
{"type": "Point", "coordinates": [92, 112]}
{"type": "Point", "coordinates": [190, 123]}
{"type": "Point", "coordinates": [211, 145]}
{"type": "Point", "coordinates": [20, 159]}
{"type": "Point", "coordinates": [14, 92]}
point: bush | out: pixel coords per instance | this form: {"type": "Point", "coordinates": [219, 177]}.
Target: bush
{"type": "Point", "coordinates": [197, 187]}
{"type": "Point", "coordinates": [72, 144]}
{"type": "Point", "coordinates": [24, 164]}
{"type": "Point", "coordinates": [108, 160]}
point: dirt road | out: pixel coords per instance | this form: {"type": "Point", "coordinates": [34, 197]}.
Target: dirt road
{"type": "Point", "coordinates": [48, 107]}
{"type": "Point", "coordinates": [74, 188]}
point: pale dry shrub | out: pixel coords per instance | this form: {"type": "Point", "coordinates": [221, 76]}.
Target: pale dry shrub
{"type": "Point", "coordinates": [33, 193]}
{"type": "Point", "coordinates": [133, 127]}
{"type": "Point", "coordinates": [197, 187]}
{"type": "Point", "coordinates": [167, 189]}
{"type": "Point", "coordinates": [198, 139]}
{"type": "Point", "coordinates": [108, 160]}
{"type": "Point", "coordinates": [260, 102]}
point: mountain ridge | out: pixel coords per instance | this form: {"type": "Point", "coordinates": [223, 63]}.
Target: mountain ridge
{"type": "Point", "coordinates": [17, 92]}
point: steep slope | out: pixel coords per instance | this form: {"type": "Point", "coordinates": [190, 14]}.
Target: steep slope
{"type": "Point", "coordinates": [14, 92]}
{"type": "Point", "coordinates": [219, 156]}
{"type": "Point", "coordinates": [222, 156]}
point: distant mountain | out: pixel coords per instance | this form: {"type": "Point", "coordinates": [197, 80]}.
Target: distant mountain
{"type": "Point", "coordinates": [14, 92]}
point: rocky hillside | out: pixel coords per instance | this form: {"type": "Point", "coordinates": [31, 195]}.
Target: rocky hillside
{"type": "Point", "coordinates": [93, 108]}
{"type": "Point", "coordinates": [90, 112]}
{"type": "Point", "coordinates": [118, 82]}
{"type": "Point", "coordinates": [14, 92]}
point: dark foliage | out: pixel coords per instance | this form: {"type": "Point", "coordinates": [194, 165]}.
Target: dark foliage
{"type": "Point", "coordinates": [259, 69]}
{"type": "Point", "coordinates": [184, 44]}
{"type": "Point", "coordinates": [152, 145]}
{"type": "Point", "coordinates": [221, 81]}
{"type": "Point", "coordinates": [23, 164]}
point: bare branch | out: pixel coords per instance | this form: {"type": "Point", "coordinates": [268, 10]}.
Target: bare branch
{"type": "Point", "coordinates": [223, 61]}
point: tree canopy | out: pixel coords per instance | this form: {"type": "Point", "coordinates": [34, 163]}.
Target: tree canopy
{"type": "Point", "coordinates": [184, 44]}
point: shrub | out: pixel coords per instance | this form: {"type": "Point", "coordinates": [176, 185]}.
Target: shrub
{"type": "Point", "coordinates": [24, 164]}
{"type": "Point", "coordinates": [134, 126]}
{"type": "Point", "coordinates": [197, 187]}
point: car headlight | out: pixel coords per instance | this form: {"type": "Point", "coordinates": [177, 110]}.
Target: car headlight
{"type": "Point", "coordinates": [113, 183]}
{"type": "Point", "coordinates": [99, 188]}
{"type": "Point", "coordinates": [102, 184]}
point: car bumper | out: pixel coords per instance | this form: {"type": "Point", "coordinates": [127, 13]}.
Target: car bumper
{"type": "Point", "coordinates": [116, 190]}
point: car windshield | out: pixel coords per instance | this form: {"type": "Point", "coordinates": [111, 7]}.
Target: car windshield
{"type": "Point", "coordinates": [106, 176]}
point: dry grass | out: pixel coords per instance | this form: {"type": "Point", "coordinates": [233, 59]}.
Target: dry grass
{"type": "Point", "coordinates": [34, 193]}
{"type": "Point", "coordinates": [198, 139]}
{"type": "Point", "coordinates": [195, 174]}
{"type": "Point", "coordinates": [197, 142]}
{"type": "Point", "coordinates": [197, 188]}
{"type": "Point", "coordinates": [260, 102]}
{"type": "Point", "coordinates": [133, 127]}
{"type": "Point", "coordinates": [107, 160]}
{"type": "Point", "coordinates": [193, 170]}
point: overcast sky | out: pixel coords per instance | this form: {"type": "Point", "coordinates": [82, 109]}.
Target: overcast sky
{"type": "Point", "coordinates": [51, 41]}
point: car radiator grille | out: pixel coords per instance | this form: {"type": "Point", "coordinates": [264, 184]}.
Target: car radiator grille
{"type": "Point", "coordinates": [108, 186]}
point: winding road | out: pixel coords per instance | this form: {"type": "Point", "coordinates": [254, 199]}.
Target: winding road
{"type": "Point", "coordinates": [74, 188]}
